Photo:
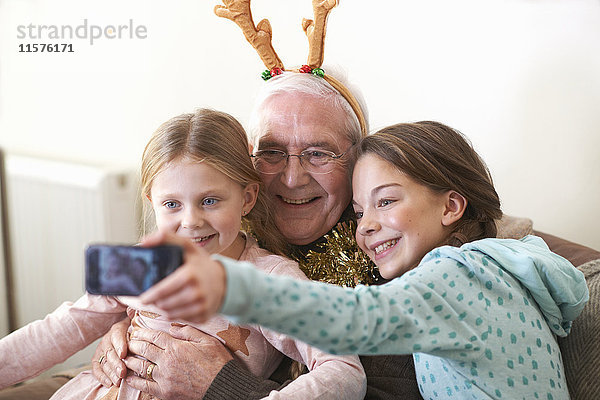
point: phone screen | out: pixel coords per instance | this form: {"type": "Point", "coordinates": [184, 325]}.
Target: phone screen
{"type": "Point", "coordinates": [128, 270]}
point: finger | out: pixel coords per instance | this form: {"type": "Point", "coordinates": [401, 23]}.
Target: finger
{"type": "Point", "coordinates": [114, 367]}
{"type": "Point", "coordinates": [159, 238]}
{"type": "Point", "coordinates": [118, 338]}
{"type": "Point", "coordinates": [144, 385]}
{"type": "Point", "coordinates": [185, 296]}
{"type": "Point", "coordinates": [147, 350]}
{"type": "Point", "coordinates": [193, 312]}
{"type": "Point", "coordinates": [167, 287]}
{"type": "Point", "coordinates": [140, 367]}
{"type": "Point", "coordinates": [187, 332]}
{"type": "Point", "coordinates": [158, 338]}
{"type": "Point", "coordinates": [98, 372]}
{"type": "Point", "coordinates": [155, 239]}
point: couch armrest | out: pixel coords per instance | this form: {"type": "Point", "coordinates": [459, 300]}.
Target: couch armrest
{"type": "Point", "coordinates": [40, 388]}
{"type": "Point", "coordinates": [577, 254]}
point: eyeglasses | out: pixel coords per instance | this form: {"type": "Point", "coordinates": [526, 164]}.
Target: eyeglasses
{"type": "Point", "coordinates": [313, 161]}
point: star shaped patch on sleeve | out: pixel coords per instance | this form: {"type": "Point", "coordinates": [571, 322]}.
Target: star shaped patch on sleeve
{"type": "Point", "coordinates": [235, 338]}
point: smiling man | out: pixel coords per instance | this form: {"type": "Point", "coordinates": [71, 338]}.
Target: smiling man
{"type": "Point", "coordinates": [302, 157]}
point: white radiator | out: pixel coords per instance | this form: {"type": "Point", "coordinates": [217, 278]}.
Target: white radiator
{"type": "Point", "coordinates": [54, 210]}
{"type": "Point", "coordinates": [3, 287]}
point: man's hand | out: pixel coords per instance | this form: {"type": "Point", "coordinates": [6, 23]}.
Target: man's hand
{"type": "Point", "coordinates": [184, 366]}
{"type": "Point", "coordinates": [107, 364]}
{"type": "Point", "coordinates": [195, 291]}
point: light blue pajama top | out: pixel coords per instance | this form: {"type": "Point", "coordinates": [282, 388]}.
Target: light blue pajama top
{"type": "Point", "coordinates": [480, 320]}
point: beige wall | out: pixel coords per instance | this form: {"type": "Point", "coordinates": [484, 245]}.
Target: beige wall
{"type": "Point", "coordinates": [520, 77]}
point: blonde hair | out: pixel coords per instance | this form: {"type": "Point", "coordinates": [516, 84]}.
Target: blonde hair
{"type": "Point", "coordinates": [442, 159]}
{"type": "Point", "coordinates": [218, 139]}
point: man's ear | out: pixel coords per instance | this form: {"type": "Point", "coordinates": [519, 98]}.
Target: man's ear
{"type": "Point", "coordinates": [455, 207]}
{"type": "Point", "coordinates": [250, 197]}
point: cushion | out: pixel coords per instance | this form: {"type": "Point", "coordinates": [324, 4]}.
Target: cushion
{"type": "Point", "coordinates": [40, 388]}
{"type": "Point", "coordinates": [510, 227]}
{"type": "Point", "coordinates": [581, 349]}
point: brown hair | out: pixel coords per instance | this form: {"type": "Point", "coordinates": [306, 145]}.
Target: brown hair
{"type": "Point", "coordinates": [442, 159]}
{"type": "Point", "coordinates": [219, 140]}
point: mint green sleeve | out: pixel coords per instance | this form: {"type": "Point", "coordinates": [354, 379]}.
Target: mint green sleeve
{"type": "Point", "coordinates": [406, 315]}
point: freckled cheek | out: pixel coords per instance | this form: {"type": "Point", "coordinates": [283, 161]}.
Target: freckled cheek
{"type": "Point", "coordinates": [397, 221]}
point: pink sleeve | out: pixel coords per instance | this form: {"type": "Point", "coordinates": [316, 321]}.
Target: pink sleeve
{"type": "Point", "coordinates": [330, 377]}
{"type": "Point", "coordinates": [44, 343]}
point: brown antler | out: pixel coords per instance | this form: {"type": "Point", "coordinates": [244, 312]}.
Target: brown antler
{"type": "Point", "coordinates": [259, 37]}
{"type": "Point", "coordinates": [315, 31]}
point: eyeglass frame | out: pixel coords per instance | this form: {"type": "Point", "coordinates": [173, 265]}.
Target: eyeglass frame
{"type": "Point", "coordinates": [300, 157]}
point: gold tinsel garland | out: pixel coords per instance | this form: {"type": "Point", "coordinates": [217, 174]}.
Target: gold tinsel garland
{"type": "Point", "coordinates": [341, 262]}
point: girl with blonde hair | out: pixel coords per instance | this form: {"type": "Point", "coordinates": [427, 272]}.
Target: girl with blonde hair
{"type": "Point", "coordinates": [199, 179]}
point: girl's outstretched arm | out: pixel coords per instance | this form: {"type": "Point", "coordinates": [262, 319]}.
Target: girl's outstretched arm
{"type": "Point", "coordinates": [363, 320]}
{"type": "Point", "coordinates": [395, 318]}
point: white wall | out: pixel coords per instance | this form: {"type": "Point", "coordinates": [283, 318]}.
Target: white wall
{"type": "Point", "coordinates": [520, 77]}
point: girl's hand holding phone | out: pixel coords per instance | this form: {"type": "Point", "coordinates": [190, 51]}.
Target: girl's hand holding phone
{"type": "Point", "coordinates": [195, 291]}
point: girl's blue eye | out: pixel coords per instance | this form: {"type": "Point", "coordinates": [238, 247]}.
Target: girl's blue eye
{"type": "Point", "coordinates": [209, 202]}
{"type": "Point", "coordinates": [170, 204]}
{"type": "Point", "coordinates": [358, 214]}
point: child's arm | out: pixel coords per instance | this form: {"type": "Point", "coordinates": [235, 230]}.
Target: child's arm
{"type": "Point", "coordinates": [42, 344]}
{"type": "Point", "coordinates": [410, 314]}
{"type": "Point", "coordinates": [404, 316]}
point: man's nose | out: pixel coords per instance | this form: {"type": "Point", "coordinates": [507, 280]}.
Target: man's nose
{"type": "Point", "coordinates": [294, 174]}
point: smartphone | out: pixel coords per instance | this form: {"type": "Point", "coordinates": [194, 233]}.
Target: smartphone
{"type": "Point", "coordinates": [128, 270]}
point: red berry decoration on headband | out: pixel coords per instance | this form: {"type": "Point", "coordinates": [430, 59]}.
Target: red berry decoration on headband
{"type": "Point", "coordinates": [305, 69]}
{"type": "Point", "coordinates": [266, 75]}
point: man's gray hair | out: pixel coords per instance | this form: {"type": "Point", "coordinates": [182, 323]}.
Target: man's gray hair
{"type": "Point", "coordinates": [293, 82]}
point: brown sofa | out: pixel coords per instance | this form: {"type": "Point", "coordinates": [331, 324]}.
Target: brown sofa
{"type": "Point", "coordinates": [581, 349]}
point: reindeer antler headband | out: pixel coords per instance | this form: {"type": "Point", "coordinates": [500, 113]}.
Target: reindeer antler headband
{"type": "Point", "coordinates": [260, 36]}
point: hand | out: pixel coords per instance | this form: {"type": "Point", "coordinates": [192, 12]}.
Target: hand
{"type": "Point", "coordinates": [107, 365]}
{"type": "Point", "coordinates": [195, 291]}
{"type": "Point", "coordinates": [184, 366]}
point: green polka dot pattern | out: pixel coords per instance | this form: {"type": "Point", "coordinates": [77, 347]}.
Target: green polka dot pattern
{"type": "Point", "coordinates": [474, 330]}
